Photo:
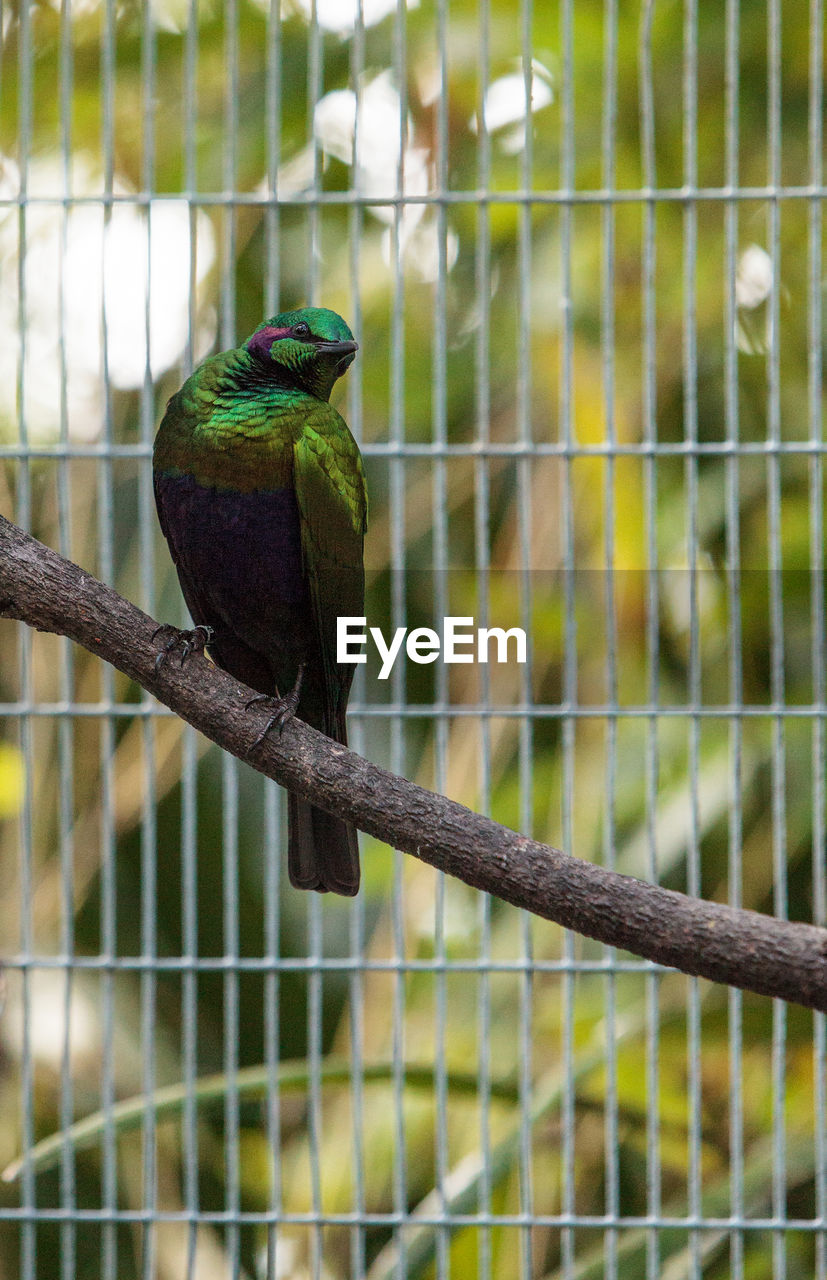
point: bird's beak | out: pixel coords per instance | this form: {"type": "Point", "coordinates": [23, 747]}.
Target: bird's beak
{"type": "Point", "coordinates": [338, 348]}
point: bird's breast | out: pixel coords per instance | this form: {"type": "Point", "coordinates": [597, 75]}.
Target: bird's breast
{"type": "Point", "coordinates": [242, 550]}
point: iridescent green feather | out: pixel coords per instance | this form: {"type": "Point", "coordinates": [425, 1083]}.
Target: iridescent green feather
{"type": "Point", "coordinates": [330, 489]}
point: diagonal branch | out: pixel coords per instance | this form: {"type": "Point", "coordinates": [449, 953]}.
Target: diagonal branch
{"type": "Point", "coordinates": [742, 948]}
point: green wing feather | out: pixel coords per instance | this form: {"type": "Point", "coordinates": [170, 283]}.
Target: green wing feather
{"type": "Point", "coordinates": [332, 500]}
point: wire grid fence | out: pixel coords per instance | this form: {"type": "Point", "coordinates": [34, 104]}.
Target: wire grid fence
{"type": "Point", "coordinates": [582, 251]}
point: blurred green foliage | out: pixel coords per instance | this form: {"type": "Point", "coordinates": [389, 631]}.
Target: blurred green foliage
{"type": "Point", "coordinates": [514, 326]}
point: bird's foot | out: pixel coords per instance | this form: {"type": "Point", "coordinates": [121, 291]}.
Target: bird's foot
{"type": "Point", "coordinates": [188, 642]}
{"type": "Point", "coordinates": [282, 709]}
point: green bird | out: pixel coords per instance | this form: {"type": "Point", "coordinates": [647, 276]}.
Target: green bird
{"type": "Point", "coordinates": [260, 491]}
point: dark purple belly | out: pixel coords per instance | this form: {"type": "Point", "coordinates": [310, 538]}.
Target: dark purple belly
{"type": "Point", "coordinates": [241, 553]}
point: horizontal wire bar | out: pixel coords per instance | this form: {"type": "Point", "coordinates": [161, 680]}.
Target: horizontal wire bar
{"type": "Point", "coordinates": [447, 710]}
{"type": "Point", "coordinates": [475, 449]}
{"type": "Point", "coordinates": [596, 196]}
{"type": "Point", "coordinates": [220, 1217]}
{"type": "Point", "coordinates": [326, 964]}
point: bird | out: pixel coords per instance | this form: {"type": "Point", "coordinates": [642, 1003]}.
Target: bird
{"type": "Point", "coordinates": [261, 495]}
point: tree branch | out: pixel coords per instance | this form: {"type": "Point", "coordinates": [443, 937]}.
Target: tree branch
{"type": "Point", "coordinates": [742, 948]}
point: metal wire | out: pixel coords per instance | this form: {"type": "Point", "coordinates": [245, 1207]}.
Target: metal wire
{"type": "Point", "coordinates": [179, 956]}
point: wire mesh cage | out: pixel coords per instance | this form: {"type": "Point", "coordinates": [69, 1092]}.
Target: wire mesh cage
{"type": "Point", "coordinates": [581, 249]}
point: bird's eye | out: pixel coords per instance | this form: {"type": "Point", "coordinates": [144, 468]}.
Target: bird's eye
{"type": "Point", "coordinates": [301, 330]}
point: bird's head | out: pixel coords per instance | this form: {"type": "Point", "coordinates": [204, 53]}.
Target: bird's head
{"type": "Point", "coordinates": [312, 347]}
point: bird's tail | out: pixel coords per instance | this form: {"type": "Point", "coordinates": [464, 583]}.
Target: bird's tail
{"type": "Point", "coordinates": [322, 851]}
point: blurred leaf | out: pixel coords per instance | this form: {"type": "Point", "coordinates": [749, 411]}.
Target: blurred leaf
{"type": "Point", "coordinates": [251, 1084]}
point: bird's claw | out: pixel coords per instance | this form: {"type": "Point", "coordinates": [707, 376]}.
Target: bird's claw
{"type": "Point", "coordinates": [283, 709]}
{"type": "Point", "coordinates": [189, 642]}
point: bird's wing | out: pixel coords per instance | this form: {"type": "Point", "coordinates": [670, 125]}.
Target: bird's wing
{"type": "Point", "coordinates": [173, 454]}
{"type": "Point", "coordinates": [330, 490]}
{"type": "Point", "coordinates": [173, 434]}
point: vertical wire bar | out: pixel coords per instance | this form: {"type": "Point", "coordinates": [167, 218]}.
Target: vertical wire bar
{"type": "Point", "coordinates": [229, 168]}
{"type": "Point", "coordinates": [733, 594]}
{"type": "Point", "coordinates": [189, 753]}
{"type": "Point", "coordinates": [569, 744]}
{"type": "Point", "coordinates": [28, 1228]}
{"type": "Point", "coordinates": [397, 485]}
{"type": "Point", "coordinates": [690, 413]}
{"type": "Point", "coordinates": [65, 728]}
{"type": "Point", "coordinates": [315, 75]}
{"type": "Point", "coordinates": [779, 836]}
{"type": "Point", "coordinates": [272, 1015]}
{"type": "Point", "coordinates": [526, 729]}
{"type": "Point", "coordinates": [105, 510]}
{"type": "Point", "coordinates": [607, 346]}
{"type": "Point", "coordinates": [650, 488]}
{"type": "Point", "coordinates": [149, 899]}
{"type": "Point", "coordinates": [229, 766]}
{"type": "Point", "coordinates": [816, 488]}
{"type": "Point", "coordinates": [273, 803]}
{"type": "Point", "coordinates": [189, 990]}
{"type": "Point", "coordinates": [314, 86]}
{"type": "Point", "coordinates": [272, 278]}
{"type": "Point", "coordinates": [440, 554]}
{"type": "Point", "coordinates": [229, 837]}
{"type": "Point", "coordinates": [314, 1056]}
{"type": "Point", "coordinates": [482, 508]}
{"type": "Point", "coordinates": [356, 988]}
{"type": "Point", "coordinates": [147, 577]}
{"type": "Point", "coordinates": [357, 1021]}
